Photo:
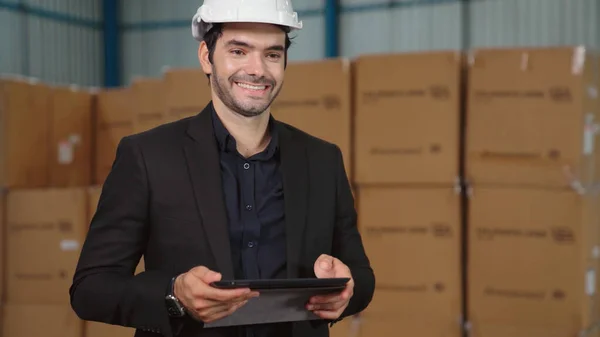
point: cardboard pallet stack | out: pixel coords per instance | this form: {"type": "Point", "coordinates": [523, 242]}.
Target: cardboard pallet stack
{"type": "Point", "coordinates": [532, 156]}
{"type": "Point", "coordinates": [407, 144]}
{"type": "Point", "coordinates": [45, 153]}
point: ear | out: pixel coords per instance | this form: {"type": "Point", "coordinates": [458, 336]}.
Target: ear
{"type": "Point", "coordinates": [203, 58]}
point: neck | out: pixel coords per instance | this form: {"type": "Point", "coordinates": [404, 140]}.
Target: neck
{"type": "Point", "coordinates": [250, 133]}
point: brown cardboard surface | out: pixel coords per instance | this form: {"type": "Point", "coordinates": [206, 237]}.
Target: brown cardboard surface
{"type": "Point", "coordinates": [114, 120]}
{"type": "Point", "coordinates": [3, 242]}
{"type": "Point", "coordinates": [71, 138]}
{"type": "Point", "coordinates": [316, 99]}
{"type": "Point", "coordinates": [408, 118]}
{"type": "Point", "coordinates": [96, 329]}
{"type": "Point", "coordinates": [24, 119]}
{"type": "Point", "coordinates": [413, 239]}
{"type": "Point", "coordinates": [187, 92]}
{"type": "Point", "coordinates": [399, 326]}
{"type": "Point", "coordinates": [532, 117]}
{"type": "Point", "coordinates": [499, 330]}
{"type": "Point", "coordinates": [150, 109]}
{"type": "Point", "coordinates": [533, 259]}
{"type": "Point", "coordinates": [45, 231]}
{"type": "Point", "coordinates": [37, 320]}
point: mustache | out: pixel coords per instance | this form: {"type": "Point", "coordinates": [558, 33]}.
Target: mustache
{"type": "Point", "coordinates": [253, 80]}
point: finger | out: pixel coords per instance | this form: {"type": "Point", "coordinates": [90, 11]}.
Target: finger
{"type": "Point", "coordinates": [333, 306]}
{"type": "Point", "coordinates": [228, 295]}
{"type": "Point", "coordinates": [327, 314]}
{"type": "Point", "coordinates": [226, 311]}
{"type": "Point", "coordinates": [322, 299]}
{"type": "Point", "coordinates": [324, 262]}
{"type": "Point", "coordinates": [199, 271]}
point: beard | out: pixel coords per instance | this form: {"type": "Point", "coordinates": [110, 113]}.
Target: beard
{"type": "Point", "coordinates": [248, 108]}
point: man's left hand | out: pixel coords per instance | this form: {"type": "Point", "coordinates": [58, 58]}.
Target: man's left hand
{"type": "Point", "coordinates": [331, 306]}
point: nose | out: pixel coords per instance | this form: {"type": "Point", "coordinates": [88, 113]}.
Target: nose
{"type": "Point", "coordinates": [256, 65]}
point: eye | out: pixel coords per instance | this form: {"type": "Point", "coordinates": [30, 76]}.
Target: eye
{"type": "Point", "coordinates": [274, 56]}
{"type": "Point", "coordinates": [237, 52]}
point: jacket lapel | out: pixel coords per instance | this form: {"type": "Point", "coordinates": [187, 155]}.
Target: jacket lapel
{"type": "Point", "coordinates": [205, 174]}
{"type": "Point", "coordinates": [295, 190]}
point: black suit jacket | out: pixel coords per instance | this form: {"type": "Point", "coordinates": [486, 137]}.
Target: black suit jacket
{"type": "Point", "coordinates": [163, 200]}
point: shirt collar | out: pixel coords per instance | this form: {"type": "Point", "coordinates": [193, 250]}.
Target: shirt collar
{"type": "Point", "coordinates": [226, 142]}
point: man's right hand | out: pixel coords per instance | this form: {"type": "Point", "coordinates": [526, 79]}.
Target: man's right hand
{"type": "Point", "coordinates": [207, 303]}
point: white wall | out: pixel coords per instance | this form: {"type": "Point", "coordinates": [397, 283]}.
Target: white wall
{"type": "Point", "coordinates": [58, 41]}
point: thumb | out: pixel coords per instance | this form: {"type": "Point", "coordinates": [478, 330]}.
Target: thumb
{"type": "Point", "coordinates": [211, 276]}
{"type": "Point", "coordinates": [324, 266]}
{"type": "Point", "coordinates": [205, 275]}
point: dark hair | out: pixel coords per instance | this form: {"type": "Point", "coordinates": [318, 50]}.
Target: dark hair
{"type": "Point", "coordinates": [216, 32]}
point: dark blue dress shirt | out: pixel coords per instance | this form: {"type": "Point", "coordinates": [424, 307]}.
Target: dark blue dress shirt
{"type": "Point", "coordinates": [253, 191]}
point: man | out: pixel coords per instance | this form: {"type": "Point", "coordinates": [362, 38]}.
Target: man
{"type": "Point", "coordinates": [227, 194]}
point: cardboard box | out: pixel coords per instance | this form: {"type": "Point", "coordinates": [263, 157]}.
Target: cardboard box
{"type": "Point", "coordinates": [408, 117]}
{"type": "Point", "coordinates": [36, 320]}
{"type": "Point", "coordinates": [373, 326]}
{"type": "Point", "coordinates": [114, 120]}
{"type": "Point", "coordinates": [71, 138]}
{"type": "Point", "coordinates": [23, 134]}
{"type": "Point", "coordinates": [532, 117]}
{"type": "Point", "coordinates": [187, 92]}
{"type": "Point", "coordinates": [45, 232]}
{"type": "Point", "coordinates": [320, 107]}
{"type": "Point", "coordinates": [150, 108]}
{"type": "Point", "coordinates": [532, 261]}
{"type": "Point", "coordinates": [413, 239]}
{"type": "Point", "coordinates": [3, 243]}
{"type": "Point", "coordinates": [96, 329]}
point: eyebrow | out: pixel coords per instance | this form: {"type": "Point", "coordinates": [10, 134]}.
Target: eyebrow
{"type": "Point", "coordinates": [276, 47]}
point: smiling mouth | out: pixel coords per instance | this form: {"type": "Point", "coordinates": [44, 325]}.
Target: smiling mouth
{"type": "Point", "coordinates": [252, 86]}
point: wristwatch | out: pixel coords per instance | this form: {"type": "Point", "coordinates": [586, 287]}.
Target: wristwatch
{"type": "Point", "coordinates": [174, 307]}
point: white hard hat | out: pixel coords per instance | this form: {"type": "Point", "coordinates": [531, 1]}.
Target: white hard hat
{"type": "Point", "coordinates": [278, 12]}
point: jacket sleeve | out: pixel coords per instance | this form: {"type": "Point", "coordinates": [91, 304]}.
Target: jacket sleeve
{"type": "Point", "coordinates": [348, 245]}
{"type": "Point", "coordinates": [104, 287]}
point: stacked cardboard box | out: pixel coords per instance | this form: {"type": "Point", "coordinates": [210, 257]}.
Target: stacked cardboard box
{"type": "Point", "coordinates": [113, 121]}
{"type": "Point", "coordinates": [187, 92]}
{"type": "Point", "coordinates": [407, 159]}
{"type": "Point", "coordinates": [531, 163]}
{"type": "Point", "coordinates": [45, 229]}
{"type": "Point", "coordinates": [320, 107]}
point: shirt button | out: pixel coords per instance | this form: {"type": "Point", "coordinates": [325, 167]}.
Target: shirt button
{"type": "Point", "coordinates": [249, 207]}
{"type": "Point", "coordinates": [246, 166]}
{"type": "Point", "coordinates": [251, 244]}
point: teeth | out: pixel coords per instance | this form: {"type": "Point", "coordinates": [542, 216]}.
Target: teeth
{"type": "Point", "coordinates": [251, 87]}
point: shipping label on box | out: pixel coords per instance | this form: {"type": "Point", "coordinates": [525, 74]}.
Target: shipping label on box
{"type": "Point", "coordinates": [71, 134]}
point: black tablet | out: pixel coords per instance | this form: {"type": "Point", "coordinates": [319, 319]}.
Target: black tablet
{"type": "Point", "coordinates": [298, 283]}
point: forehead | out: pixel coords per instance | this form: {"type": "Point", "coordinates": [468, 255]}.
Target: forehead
{"type": "Point", "coordinates": [256, 34]}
